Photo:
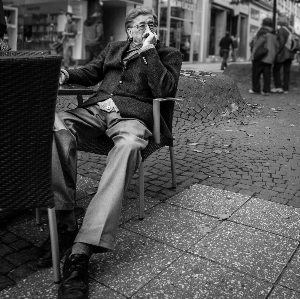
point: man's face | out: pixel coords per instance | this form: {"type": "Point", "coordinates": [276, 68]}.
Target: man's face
{"type": "Point", "coordinates": [69, 18]}
{"type": "Point", "coordinates": [140, 25]}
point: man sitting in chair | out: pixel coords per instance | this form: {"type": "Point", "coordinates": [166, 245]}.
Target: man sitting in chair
{"type": "Point", "coordinates": [132, 73]}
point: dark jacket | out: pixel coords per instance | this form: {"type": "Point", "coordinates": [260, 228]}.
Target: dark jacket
{"type": "Point", "coordinates": [93, 31]}
{"type": "Point", "coordinates": [225, 43]}
{"type": "Point", "coordinates": [70, 27]}
{"type": "Point", "coordinates": [284, 53]}
{"type": "Point", "coordinates": [132, 86]}
{"type": "Point", "coordinates": [266, 35]}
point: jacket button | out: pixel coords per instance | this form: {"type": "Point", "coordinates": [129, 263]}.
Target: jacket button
{"type": "Point", "coordinates": [121, 81]}
{"type": "Point", "coordinates": [111, 94]}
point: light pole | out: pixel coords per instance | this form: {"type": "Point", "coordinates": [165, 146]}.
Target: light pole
{"type": "Point", "coordinates": [274, 13]}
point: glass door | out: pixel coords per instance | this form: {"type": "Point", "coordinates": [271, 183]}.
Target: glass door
{"type": "Point", "coordinates": [177, 26]}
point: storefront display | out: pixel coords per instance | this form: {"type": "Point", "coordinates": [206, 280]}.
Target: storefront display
{"type": "Point", "coordinates": [179, 28]}
{"type": "Point", "coordinates": [41, 23]}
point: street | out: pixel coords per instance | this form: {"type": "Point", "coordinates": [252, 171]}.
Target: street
{"type": "Point", "coordinates": [231, 228]}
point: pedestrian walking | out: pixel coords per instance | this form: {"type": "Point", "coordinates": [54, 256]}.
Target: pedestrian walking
{"type": "Point", "coordinates": [234, 50]}
{"type": "Point", "coordinates": [224, 45]}
{"type": "Point", "coordinates": [265, 48]}
{"type": "Point", "coordinates": [284, 58]}
{"type": "Point", "coordinates": [93, 36]}
{"type": "Point", "coordinates": [68, 40]}
{"type": "Point", "coordinates": [122, 110]}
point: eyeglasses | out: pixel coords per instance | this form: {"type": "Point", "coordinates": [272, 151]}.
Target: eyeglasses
{"type": "Point", "coordinates": [142, 26]}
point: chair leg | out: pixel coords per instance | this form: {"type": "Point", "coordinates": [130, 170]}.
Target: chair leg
{"type": "Point", "coordinates": [141, 191]}
{"type": "Point", "coordinates": [38, 218]}
{"type": "Point", "coordinates": [54, 244]}
{"type": "Point", "coordinates": [172, 158]}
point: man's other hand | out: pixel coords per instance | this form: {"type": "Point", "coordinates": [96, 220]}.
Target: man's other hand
{"type": "Point", "coordinates": [62, 77]}
{"type": "Point", "coordinates": [150, 38]}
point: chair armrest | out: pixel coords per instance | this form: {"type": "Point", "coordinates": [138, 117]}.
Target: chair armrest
{"type": "Point", "coordinates": [156, 115]}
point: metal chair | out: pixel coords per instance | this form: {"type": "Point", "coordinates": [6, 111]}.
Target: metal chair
{"type": "Point", "coordinates": [28, 93]}
{"type": "Point", "coordinates": [161, 107]}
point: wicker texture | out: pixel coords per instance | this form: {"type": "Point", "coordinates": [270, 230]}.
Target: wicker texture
{"type": "Point", "coordinates": [28, 92]}
{"type": "Point", "coordinates": [103, 145]}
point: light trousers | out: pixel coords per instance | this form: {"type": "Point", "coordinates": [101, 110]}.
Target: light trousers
{"type": "Point", "coordinates": [130, 136]}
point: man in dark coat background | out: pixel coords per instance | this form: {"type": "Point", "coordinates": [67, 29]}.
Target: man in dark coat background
{"type": "Point", "coordinates": [93, 35]}
{"type": "Point", "coordinates": [224, 45]}
{"type": "Point", "coordinates": [284, 59]}
{"type": "Point", "coordinates": [262, 66]}
{"type": "Point", "coordinates": [132, 73]}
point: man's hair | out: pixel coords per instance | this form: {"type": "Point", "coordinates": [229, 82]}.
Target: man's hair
{"type": "Point", "coordinates": [137, 12]}
{"type": "Point", "coordinates": [267, 22]}
{"type": "Point", "coordinates": [283, 21]}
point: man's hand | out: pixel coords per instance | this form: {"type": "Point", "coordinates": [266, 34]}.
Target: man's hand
{"type": "Point", "coordinates": [150, 38]}
{"type": "Point", "coordinates": [62, 77]}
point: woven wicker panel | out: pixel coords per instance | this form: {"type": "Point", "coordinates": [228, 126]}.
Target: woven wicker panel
{"type": "Point", "coordinates": [28, 95]}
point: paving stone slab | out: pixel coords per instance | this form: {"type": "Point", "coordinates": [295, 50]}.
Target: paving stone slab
{"type": "Point", "coordinates": [273, 217]}
{"type": "Point", "coordinates": [284, 293]}
{"type": "Point", "coordinates": [97, 291]}
{"type": "Point", "coordinates": [31, 232]}
{"type": "Point", "coordinates": [209, 200]}
{"type": "Point", "coordinates": [247, 249]}
{"type": "Point", "coordinates": [173, 225]}
{"type": "Point", "coordinates": [193, 277]}
{"type": "Point", "coordinates": [85, 186]}
{"type": "Point", "coordinates": [130, 205]}
{"type": "Point", "coordinates": [134, 262]}
{"type": "Point", "coordinates": [39, 285]}
{"type": "Point", "coordinates": [291, 275]}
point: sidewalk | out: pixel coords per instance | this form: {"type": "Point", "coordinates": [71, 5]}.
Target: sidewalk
{"type": "Point", "coordinates": [231, 229]}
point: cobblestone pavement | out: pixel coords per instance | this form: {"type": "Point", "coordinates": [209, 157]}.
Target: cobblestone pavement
{"type": "Point", "coordinates": [252, 159]}
{"type": "Point", "coordinates": [254, 155]}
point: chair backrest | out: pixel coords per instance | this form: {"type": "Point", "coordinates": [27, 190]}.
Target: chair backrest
{"type": "Point", "coordinates": [28, 92]}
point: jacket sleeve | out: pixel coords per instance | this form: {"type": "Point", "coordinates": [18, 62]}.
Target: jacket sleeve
{"type": "Point", "coordinates": [162, 71]}
{"type": "Point", "coordinates": [92, 73]}
{"type": "Point", "coordinates": [282, 38]}
{"type": "Point", "coordinates": [259, 41]}
{"type": "Point", "coordinates": [99, 31]}
{"type": "Point", "coordinates": [74, 28]}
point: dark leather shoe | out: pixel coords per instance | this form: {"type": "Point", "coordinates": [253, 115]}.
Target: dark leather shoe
{"type": "Point", "coordinates": [65, 241]}
{"type": "Point", "coordinates": [74, 283]}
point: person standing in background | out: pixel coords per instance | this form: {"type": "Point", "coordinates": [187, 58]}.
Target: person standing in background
{"type": "Point", "coordinates": [93, 35]}
{"type": "Point", "coordinates": [68, 42]}
{"type": "Point", "coordinates": [224, 45]}
{"type": "Point", "coordinates": [265, 38]}
{"type": "Point", "coordinates": [3, 30]}
{"type": "Point", "coordinates": [283, 59]}
{"type": "Point", "coordinates": [234, 51]}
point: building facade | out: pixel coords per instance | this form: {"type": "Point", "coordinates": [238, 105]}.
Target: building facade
{"type": "Point", "coordinates": [195, 27]}
{"type": "Point", "coordinates": [36, 24]}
